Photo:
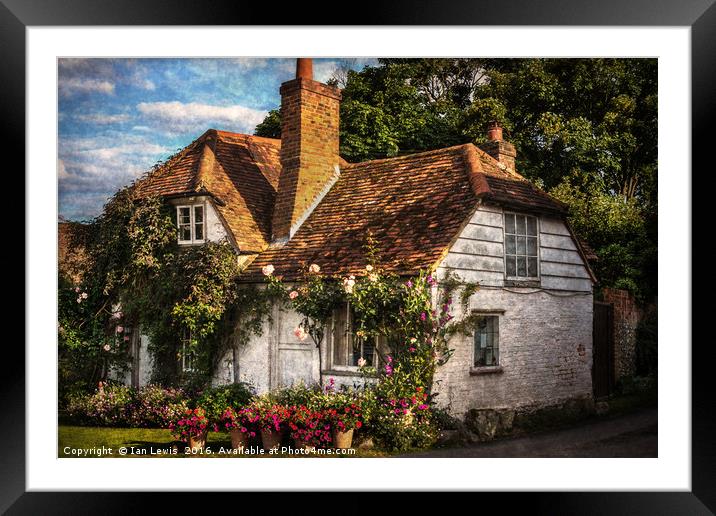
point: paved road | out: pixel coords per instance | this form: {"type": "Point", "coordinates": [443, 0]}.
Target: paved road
{"type": "Point", "coordinates": [631, 435]}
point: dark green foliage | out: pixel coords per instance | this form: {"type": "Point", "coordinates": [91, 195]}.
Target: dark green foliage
{"type": "Point", "coordinates": [215, 400]}
{"type": "Point", "coordinates": [584, 128]}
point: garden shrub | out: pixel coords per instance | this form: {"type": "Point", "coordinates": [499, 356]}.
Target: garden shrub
{"type": "Point", "coordinates": [215, 400]}
{"type": "Point", "coordinates": [399, 424]}
{"type": "Point", "coordinates": [107, 407]}
{"type": "Point", "coordinates": [156, 407]}
{"type": "Point", "coordinates": [123, 406]}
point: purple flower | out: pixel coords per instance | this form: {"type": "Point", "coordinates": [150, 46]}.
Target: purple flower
{"type": "Point", "coordinates": [409, 284]}
{"type": "Point", "coordinates": [423, 316]}
{"type": "Point", "coordinates": [388, 369]}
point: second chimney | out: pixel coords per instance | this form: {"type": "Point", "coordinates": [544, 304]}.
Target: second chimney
{"type": "Point", "coordinates": [309, 147]}
{"type": "Point", "coordinates": [495, 146]}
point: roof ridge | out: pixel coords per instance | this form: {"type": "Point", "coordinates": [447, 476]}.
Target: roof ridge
{"type": "Point", "coordinates": [207, 162]}
{"type": "Point", "coordinates": [170, 161]}
{"type": "Point", "coordinates": [412, 155]}
{"type": "Point", "coordinates": [248, 137]}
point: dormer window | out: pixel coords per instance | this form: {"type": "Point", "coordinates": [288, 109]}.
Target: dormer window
{"type": "Point", "coordinates": [190, 223]}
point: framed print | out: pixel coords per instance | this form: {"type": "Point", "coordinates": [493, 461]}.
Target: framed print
{"type": "Point", "coordinates": [263, 255]}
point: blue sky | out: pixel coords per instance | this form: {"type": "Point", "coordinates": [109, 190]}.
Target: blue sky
{"type": "Point", "coordinates": [118, 117]}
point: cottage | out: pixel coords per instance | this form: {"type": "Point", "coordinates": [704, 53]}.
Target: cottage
{"type": "Point", "coordinates": [466, 209]}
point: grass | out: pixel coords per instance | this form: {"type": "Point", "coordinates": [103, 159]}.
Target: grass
{"type": "Point", "coordinates": [93, 442]}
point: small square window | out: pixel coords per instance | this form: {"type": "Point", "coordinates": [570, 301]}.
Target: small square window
{"type": "Point", "coordinates": [190, 224]}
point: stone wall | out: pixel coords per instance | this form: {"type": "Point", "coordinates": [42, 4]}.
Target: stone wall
{"type": "Point", "coordinates": [626, 319]}
{"type": "Point", "coordinates": [545, 349]}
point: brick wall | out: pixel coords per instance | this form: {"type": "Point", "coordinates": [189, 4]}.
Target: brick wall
{"type": "Point", "coordinates": [626, 319]}
{"type": "Point", "coordinates": [545, 354]}
{"type": "Point", "coordinates": [309, 149]}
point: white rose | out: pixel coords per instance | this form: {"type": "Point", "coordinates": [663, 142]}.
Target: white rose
{"type": "Point", "coordinates": [267, 270]}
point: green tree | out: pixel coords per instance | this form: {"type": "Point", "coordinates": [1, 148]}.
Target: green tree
{"type": "Point", "coordinates": [585, 129]}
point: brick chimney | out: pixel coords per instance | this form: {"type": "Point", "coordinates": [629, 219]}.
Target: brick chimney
{"type": "Point", "coordinates": [502, 151]}
{"type": "Point", "coordinates": [309, 148]}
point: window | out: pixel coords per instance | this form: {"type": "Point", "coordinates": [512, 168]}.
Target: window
{"type": "Point", "coordinates": [487, 341]}
{"type": "Point", "coordinates": [521, 246]}
{"type": "Point", "coordinates": [190, 223]}
{"type": "Point", "coordinates": [347, 348]}
{"type": "Point", "coordinates": [187, 355]}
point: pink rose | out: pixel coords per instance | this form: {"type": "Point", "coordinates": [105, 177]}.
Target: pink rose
{"type": "Point", "coordinates": [293, 294]}
{"type": "Point", "coordinates": [314, 268]}
{"type": "Point", "coordinates": [300, 333]}
{"type": "Point", "coordinates": [267, 270]}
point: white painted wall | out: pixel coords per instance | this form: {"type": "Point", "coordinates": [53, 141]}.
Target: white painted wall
{"type": "Point", "coordinates": [478, 253]}
{"type": "Point", "coordinates": [545, 332]}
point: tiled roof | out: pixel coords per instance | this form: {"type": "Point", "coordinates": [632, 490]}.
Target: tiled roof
{"type": "Point", "coordinates": [239, 171]}
{"type": "Point", "coordinates": [414, 206]}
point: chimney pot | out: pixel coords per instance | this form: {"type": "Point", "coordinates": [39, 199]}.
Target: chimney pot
{"type": "Point", "coordinates": [304, 68]}
{"type": "Point", "coordinates": [494, 132]}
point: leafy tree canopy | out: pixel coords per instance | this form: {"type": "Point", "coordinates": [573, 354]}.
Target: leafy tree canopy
{"type": "Point", "coordinates": [584, 129]}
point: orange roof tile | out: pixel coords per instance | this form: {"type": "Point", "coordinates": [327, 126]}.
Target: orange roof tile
{"type": "Point", "coordinates": [239, 171]}
{"type": "Point", "coordinates": [413, 206]}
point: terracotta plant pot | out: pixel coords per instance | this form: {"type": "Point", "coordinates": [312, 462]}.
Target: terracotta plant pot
{"type": "Point", "coordinates": [239, 439]}
{"type": "Point", "coordinates": [342, 440]}
{"type": "Point", "coordinates": [271, 439]}
{"type": "Point", "coordinates": [198, 442]}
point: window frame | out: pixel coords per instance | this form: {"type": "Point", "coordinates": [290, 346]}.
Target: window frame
{"type": "Point", "coordinates": [331, 350]}
{"type": "Point", "coordinates": [496, 317]}
{"type": "Point", "coordinates": [187, 358]}
{"type": "Point", "coordinates": [516, 278]}
{"type": "Point", "coordinates": [192, 223]}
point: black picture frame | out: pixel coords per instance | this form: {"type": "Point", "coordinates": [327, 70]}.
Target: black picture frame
{"type": "Point", "coordinates": [699, 15]}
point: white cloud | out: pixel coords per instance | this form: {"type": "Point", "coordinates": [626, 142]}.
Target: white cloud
{"type": "Point", "coordinates": [181, 117]}
{"type": "Point", "coordinates": [61, 170]}
{"type": "Point", "coordinates": [70, 86]}
{"type": "Point", "coordinates": [100, 118]}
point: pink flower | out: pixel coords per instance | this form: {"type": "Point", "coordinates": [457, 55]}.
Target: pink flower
{"type": "Point", "coordinates": [423, 316]}
{"type": "Point", "coordinates": [106, 347]}
{"type": "Point", "coordinates": [267, 270]}
{"type": "Point", "coordinates": [77, 289]}
{"type": "Point", "coordinates": [126, 338]}
{"type": "Point", "coordinates": [293, 294]}
{"type": "Point", "coordinates": [388, 369]}
{"type": "Point", "coordinates": [314, 268]}
{"type": "Point", "coordinates": [361, 362]}
{"type": "Point", "coordinates": [300, 333]}
{"type": "Point", "coordinates": [120, 329]}
{"type": "Point", "coordinates": [409, 284]}
{"type": "Point", "coordinates": [412, 350]}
